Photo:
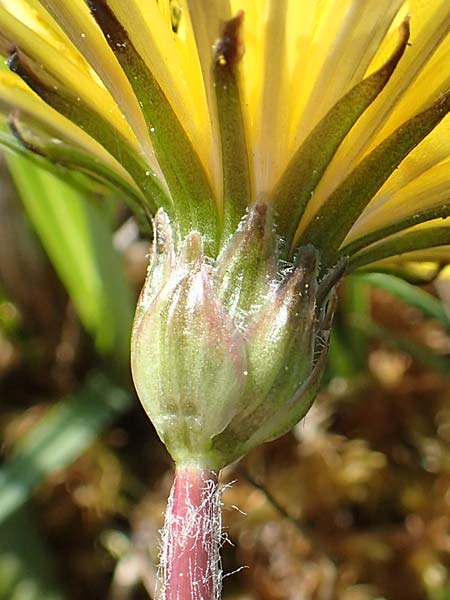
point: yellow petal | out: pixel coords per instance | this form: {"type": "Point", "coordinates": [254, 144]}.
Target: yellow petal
{"type": "Point", "coordinates": [204, 20]}
{"type": "Point", "coordinates": [293, 69]}
{"type": "Point", "coordinates": [16, 97]}
{"type": "Point", "coordinates": [173, 60]}
{"type": "Point", "coordinates": [428, 258]}
{"type": "Point", "coordinates": [31, 14]}
{"type": "Point", "coordinates": [270, 134]}
{"type": "Point", "coordinates": [431, 189]}
{"type": "Point", "coordinates": [80, 27]}
{"type": "Point", "coordinates": [430, 26]}
{"type": "Point", "coordinates": [342, 45]}
{"type": "Point", "coordinates": [78, 81]}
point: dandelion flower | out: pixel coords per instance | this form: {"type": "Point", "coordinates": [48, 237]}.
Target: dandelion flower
{"type": "Point", "coordinates": [277, 145]}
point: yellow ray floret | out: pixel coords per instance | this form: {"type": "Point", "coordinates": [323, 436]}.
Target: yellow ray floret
{"type": "Point", "coordinates": [62, 67]}
{"type": "Point", "coordinates": [16, 99]}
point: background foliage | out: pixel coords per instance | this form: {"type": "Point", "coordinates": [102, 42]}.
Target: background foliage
{"type": "Point", "coordinates": [354, 504]}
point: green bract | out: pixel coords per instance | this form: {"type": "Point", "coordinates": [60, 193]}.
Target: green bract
{"type": "Point", "coordinates": [227, 353]}
{"type": "Point", "coordinates": [276, 144]}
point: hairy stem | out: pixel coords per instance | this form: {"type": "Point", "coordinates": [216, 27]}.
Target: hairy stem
{"type": "Point", "coordinates": [191, 538]}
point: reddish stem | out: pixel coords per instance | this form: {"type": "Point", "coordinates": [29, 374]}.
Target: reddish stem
{"type": "Point", "coordinates": [190, 557]}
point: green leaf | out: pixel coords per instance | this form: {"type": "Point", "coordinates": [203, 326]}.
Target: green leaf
{"type": "Point", "coordinates": [356, 301]}
{"type": "Point", "coordinates": [441, 593]}
{"type": "Point", "coordinates": [411, 294]}
{"type": "Point", "coordinates": [26, 570]}
{"type": "Point", "coordinates": [83, 171]}
{"type": "Point", "coordinates": [348, 346]}
{"type": "Point", "coordinates": [59, 438]}
{"type": "Point", "coordinates": [416, 273]}
{"type": "Point", "coordinates": [419, 352]}
{"type": "Point", "coordinates": [78, 241]}
{"type": "Point", "coordinates": [340, 358]}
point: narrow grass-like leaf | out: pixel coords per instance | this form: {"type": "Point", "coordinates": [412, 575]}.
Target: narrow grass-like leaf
{"type": "Point", "coordinates": [415, 273]}
{"type": "Point", "coordinates": [440, 593]}
{"type": "Point", "coordinates": [411, 294]}
{"type": "Point", "coordinates": [26, 570]}
{"type": "Point", "coordinates": [8, 142]}
{"type": "Point", "coordinates": [82, 172]}
{"type": "Point", "coordinates": [79, 243]}
{"type": "Point", "coordinates": [356, 303]}
{"type": "Point", "coordinates": [61, 436]}
{"type": "Point", "coordinates": [340, 359]}
{"type": "Point", "coordinates": [419, 352]}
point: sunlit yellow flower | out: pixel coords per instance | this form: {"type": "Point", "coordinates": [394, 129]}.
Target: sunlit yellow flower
{"type": "Point", "coordinates": [277, 144]}
{"type": "Point", "coordinates": [158, 110]}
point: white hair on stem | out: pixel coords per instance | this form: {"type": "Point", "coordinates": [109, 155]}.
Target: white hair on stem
{"type": "Point", "coordinates": [197, 529]}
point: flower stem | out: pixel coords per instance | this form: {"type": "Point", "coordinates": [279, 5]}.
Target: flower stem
{"type": "Point", "coordinates": [191, 537]}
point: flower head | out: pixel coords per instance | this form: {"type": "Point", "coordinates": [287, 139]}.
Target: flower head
{"type": "Point", "coordinates": [283, 143]}
{"type": "Point", "coordinates": [332, 111]}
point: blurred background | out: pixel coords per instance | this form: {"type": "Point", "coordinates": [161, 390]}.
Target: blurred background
{"type": "Point", "coordinates": [354, 504]}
